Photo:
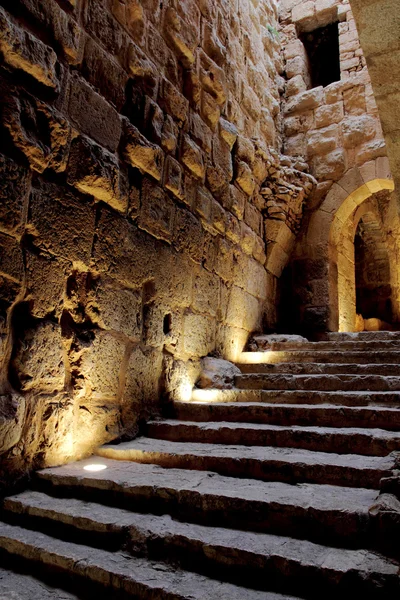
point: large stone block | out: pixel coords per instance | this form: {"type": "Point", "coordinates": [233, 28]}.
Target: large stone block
{"type": "Point", "coordinates": [93, 115]}
{"type": "Point", "coordinates": [329, 167]}
{"type": "Point", "coordinates": [157, 211]}
{"type": "Point", "coordinates": [46, 279]}
{"type": "Point", "coordinates": [93, 170]}
{"type": "Point", "coordinates": [244, 178]}
{"type": "Point", "coordinates": [182, 37]}
{"type": "Point", "coordinates": [11, 259]}
{"type": "Point", "coordinates": [358, 130]}
{"type": "Point", "coordinates": [99, 21]}
{"type": "Point", "coordinates": [173, 177]}
{"type": "Point", "coordinates": [14, 191]}
{"type": "Point", "coordinates": [192, 158]}
{"type": "Point", "coordinates": [63, 222]}
{"type": "Point", "coordinates": [199, 335]}
{"type": "Point", "coordinates": [322, 141]}
{"type": "Point", "coordinates": [39, 131]}
{"type": "Point", "coordinates": [206, 292]}
{"type": "Point", "coordinates": [141, 153]}
{"type": "Point", "coordinates": [244, 311]}
{"type": "Point", "coordinates": [212, 77]}
{"type": "Point", "coordinates": [188, 235]}
{"type": "Point", "coordinates": [21, 50]}
{"type": "Point", "coordinates": [12, 413]}
{"type": "Point", "coordinates": [173, 102]}
{"type": "Point", "coordinates": [38, 361]}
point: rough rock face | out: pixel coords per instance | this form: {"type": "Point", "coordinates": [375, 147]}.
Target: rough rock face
{"type": "Point", "coordinates": [217, 373]}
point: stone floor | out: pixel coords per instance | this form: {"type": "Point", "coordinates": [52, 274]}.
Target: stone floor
{"type": "Point", "coordinates": [267, 491]}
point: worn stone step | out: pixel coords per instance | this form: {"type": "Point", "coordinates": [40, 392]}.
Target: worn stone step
{"type": "Point", "coordinates": [363, 336]}
{"type": "Point", "coordinates": [349, 440]}
{"type": "Point", "coordinates": [340, 345]}
{"type": "Point", "coordinates": [323, 382]}
{"type": "Point", "coordinates": [266, 463]}
{"type": "Point", "coordinates": [255, 559]}
{"type": "Point", "coordinates": [136, 577]}
{"type": "Point", "coordinates": [16, 585]}
{"type": "Point", "coordinates": [322, 356]}
{"type": "Point", "coordinates": [321, 369]}
{"type": "Point", "coordinates": [322, 415]}
{"type": "Point", "coordinates": [342, 397]}
{"type": "Point", "coordinates": [322, 513]}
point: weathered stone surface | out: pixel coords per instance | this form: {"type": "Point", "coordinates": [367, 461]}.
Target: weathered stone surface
{"type": "Point", "coordinates": [141, 153]}
{"type": "Point", "coordinates": [12, 414]}
{"type": "Point", "coordinates": [217, 373]}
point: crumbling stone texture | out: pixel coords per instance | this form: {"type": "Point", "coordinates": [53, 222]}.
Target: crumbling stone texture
{"type": "Point", "coordinates": [135, 139]}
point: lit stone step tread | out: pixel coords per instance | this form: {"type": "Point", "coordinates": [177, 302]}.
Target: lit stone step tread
{"type": "Point", "coordinates": [322, 356]}
{"type": "Point", "coordinates": [333, 346]}
{"type": "Point", "coordinates": [323, 382]}
{"type": "Point", "coordinates": [370, 442]}
{"type": "Point", "coordinates": [290, 556]}
{"type": "Point", "coordinates": [20, 586]}
{"type": "Point", "coordinates": [342, 397]}
{"type": "Point", "coordinates": [364, 335]}
{"type": "Point", "coordinates": [125, 476]}
{"type": "Point", "coordinates": [321, 368]}
{"type": "Point", "coordinates": [136, 576]}
{"type": "Point", "coordinates": [136, 449]}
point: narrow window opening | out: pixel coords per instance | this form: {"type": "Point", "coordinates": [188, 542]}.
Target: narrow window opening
{"type": "Point", "coordinates": [322, 47]}
{"type": "Point", "coordinates": [167, 324]}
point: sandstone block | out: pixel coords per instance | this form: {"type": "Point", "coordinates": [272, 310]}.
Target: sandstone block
{"type": "Point", "coordinates": [93, 115]}
{"type": "Point", "coordinates": [206, 292]}
{"type": "Point", "coordinates": [303, 15]}
{"type": "Point", "coordinates": [296, 86]}
{"type": "Point", "coordinates": [228, 132]}
{"type": "Point", "coordinates": [173, 177]}
{"type": "Point", "coordinates": [222, 157]}
{"type": "Point", "coordinates": [306, 101]}
{"type": "Point", "coordinates": [329, 114]}
{"type": "Point", "coordinates": [45, 145]}
{"type": "Point", "coordinates": [93, 170]}
{"type": "Point", "coordinates": [202, 204]}
{"type": "Point", "coordinates": [217, 374]}
{"type": "Point", "coordinates": [14, 190]}
{"type": "Point", "coordinates": [326, 12]}
{"type": "Point", "coordinates": [11, 260]}
{"type": "Point", "coordinates": [100, 367]}
{"type": "Point", "coordinates": [141, 153]}
{"type": "Point", "coordinates": [173, 102]}
{"type": "Point", "coordinates": [247, 238]}
{"type": "Point", "coordinates": [330, 166]}
{"type": "Point", "coordinates": [253, 218]}
{"type": "Point", "coordinates": [21, 50]}
{"type": "Point", "coordinates": [237, 201]}
{"type": "Point", "coordinates": [370, 151]}
{"type": "Point", "coordinates": [116, 308]}
{"type": "Point", "coordinates": [299, 123]}
{"type": "Point", "coordinates": [277, 259]}
{"type": "Point", "coordinates": [244, 150]}
{"type": "Point", "coordinates": [188, 235]}
{"type": "Point", "coordinates": [12, 413]}
{"type": "Point", "coordinates": [157, 211]}
{"type": "Point", "coordinates": [63, 221]}
{"type": "Point", "coordinates": [46, 281]}
{"type": "Point", "coordinates": [358, 130]}
{"type": "Point", "coordinates": [99, 21]}
{"type": "Point", "coordinates": [199, 335]}
{"type": "Point", "coordinates": [322, 141]}
{"type": "Point", "coordinates": [233, 229]}
{"type": "Point", "coordinates": [182, 37]}
{"type": "Point", "coordinates": [218, 216]}
{"type": "Point", "coordinates": [210, 110]}
{"type": "Point", "coordinates": [192, 158]}
{"type": "Point", "coordinates": [192, 88]}
{"type": "Point", "coordinates": [212, 45]}
{"type": "Point", "coordinates": [38, 361]}
{"type": "Point", "coordinates": [169, 135]}
{"type": "Point", "coordinates": [212, 78]}
{"type": "Point", "coordinates": [244, 178]}
{"type": "Point", "coordinates": [104, 73]}
{"type": "Point", "coordinates": [243, 311]}
{"type": "Point", "coordinates": [223, 259]}
{"type": "Point", "coordinates": [200, 132]}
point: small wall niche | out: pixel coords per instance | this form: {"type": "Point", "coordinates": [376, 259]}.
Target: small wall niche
{"type": "Point", "coordinates": [322, 47]}
{"type": "Point", "coordinates": [167, 324]}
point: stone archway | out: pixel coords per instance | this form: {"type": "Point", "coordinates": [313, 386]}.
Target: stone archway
{"type": "Point", "coordinates": [342, 289]}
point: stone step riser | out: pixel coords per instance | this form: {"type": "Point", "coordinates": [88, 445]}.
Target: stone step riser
{"type": "Point", "coordinates": [320, 369]}
{"type": "Point", "coordinates": [268, 470]}
{"type": "Point", "coordinates": [364, 336]}
{"type": "Point", "coordinates": [236, 564]}
{"type": "Point", "coordinates": [328, 526]}
{"type": "Point", "coordinates": [364, 445]}
{"type": "Point", "coordinates": [328, 383]}
{"type": "Point", "coordinates": [289, 415]}
{"type": "Point", "coordinates": [335, 346]}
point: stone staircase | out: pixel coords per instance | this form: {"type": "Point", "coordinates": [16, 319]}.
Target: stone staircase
{"type": "Point", "coordinates": [267, 491]}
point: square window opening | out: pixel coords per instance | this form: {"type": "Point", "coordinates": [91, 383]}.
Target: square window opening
{"type": "Point", "coordinates": [322, 47]}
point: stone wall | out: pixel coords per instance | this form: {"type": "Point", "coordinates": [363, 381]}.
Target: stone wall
{"type": "Point", "coordinates": [335, 129]}
{"type": "Point", "coordinates": [136, 136]}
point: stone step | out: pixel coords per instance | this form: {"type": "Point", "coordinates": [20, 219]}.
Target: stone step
{"type": "Point", "coordinates": [323, 382]}
{"type": "Point", "coordinates": [320, 513]}
{"type": "Point", "coordinates": [363, 336]}
{"type": "Point", "coordinates": [16, 585]}
{"type": "Point", "coordinates": [350, 440]}
{"type": "Point", "coordinates": [321, 356]}
{"type": "Point", "coordinates": [322, 369]}
{"type": "Point", "coordinates": [343, 397]}
{"type": "Point", "coordinates": [256, 559]}
{"type": "Point", "coordinates": [322, 415]}
{"type": "Point", "coordinates": [383, 345]}
{"type": "Point", "coordinates": [265, 463]}
{"type": "Point", "coordinates": [118, 571]}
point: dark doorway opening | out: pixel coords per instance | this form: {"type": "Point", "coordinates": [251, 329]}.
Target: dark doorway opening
{"type": "Point", "coordinates": [322, 47]}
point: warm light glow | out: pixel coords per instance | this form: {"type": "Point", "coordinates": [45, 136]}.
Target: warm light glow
{"type": "Point", "coordinates": [207, 395]}
{"type": "Point", "coordinates": [95, 467]}
{"type": "Point", "coordinates": [185, 392]}
{"type": "Point", "coordinates": [268, 357]}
